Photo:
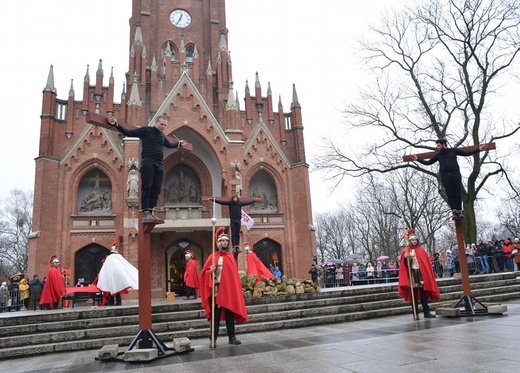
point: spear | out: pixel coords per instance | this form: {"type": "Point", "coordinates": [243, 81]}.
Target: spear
{"type": "Point", "coordinates": [213, 222]}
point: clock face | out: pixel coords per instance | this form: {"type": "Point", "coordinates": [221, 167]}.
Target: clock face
{"type": "Point", "coordinates": [180, 18]}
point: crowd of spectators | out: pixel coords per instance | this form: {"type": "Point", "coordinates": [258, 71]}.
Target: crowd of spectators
{"type": "Point", "coordinates": [492, 257]}
{"type": "Point", "coordinates": [18, 294]}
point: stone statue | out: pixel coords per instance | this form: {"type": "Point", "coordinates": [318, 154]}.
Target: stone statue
{"type": "Point", "coordinates": [132, 184]}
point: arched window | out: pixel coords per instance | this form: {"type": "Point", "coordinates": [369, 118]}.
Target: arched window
{"type": "Point", "coordinates": [169, 50]}
{"type": "Point", "coordinates": [95, 193]}
{"type": "Point", "coordinates": [263, 186]}
{"type": "Point", "coordinates": [189, 53]}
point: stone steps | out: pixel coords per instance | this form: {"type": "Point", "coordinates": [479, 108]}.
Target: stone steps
{"type": "Point", "coordinates": [76, 329]}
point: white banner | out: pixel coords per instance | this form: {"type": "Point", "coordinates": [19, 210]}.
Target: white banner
{"type": "Point", "coordinates": [247, 220]}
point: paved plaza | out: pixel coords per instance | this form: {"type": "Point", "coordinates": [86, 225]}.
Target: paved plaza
{"type": "Point", "coordinates": [386, 344]}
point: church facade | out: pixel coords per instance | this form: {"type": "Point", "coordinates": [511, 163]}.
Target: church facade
{"type": "Point", "coordinates": [87, 181]}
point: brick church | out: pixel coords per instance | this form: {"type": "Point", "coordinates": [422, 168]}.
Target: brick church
{"type": "Point", "coordinates": [85, 195]}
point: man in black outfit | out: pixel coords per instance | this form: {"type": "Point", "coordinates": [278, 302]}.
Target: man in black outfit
{"type": "Point", "coordinates": [153, 141]}
{"type": "Point", "coordinates": [451, 178]}
{"type": "Point", "coordinates": [235, 217]}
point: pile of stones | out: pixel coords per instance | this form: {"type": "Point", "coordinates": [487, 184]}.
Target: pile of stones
{"type": "Point", "coordinates": [274, 287]}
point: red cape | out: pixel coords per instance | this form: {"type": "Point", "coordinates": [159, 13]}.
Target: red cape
{"type": "Point", "coordinates": [256, 267]}
{"type": "Point", "coordinates": [230, 294]}
{"type": "Point", "coordinates": [191, 276]}
{"type": "Point", "coordinates": [54, 287]}
{"type": "Point", "coordinates": [430, 284]}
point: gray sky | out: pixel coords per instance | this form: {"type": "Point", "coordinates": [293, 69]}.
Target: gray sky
{"type": "Point", "coordinates": [312, 44]}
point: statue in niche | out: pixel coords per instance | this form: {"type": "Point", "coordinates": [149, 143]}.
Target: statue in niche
{"type": "Point", "coordinates": [132, 184]}
{"type": "Point", "coordinates": [238, 177]}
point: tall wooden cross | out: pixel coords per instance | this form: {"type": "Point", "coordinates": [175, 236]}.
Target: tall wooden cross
{"type": "Point", "coordinates": [467, 298]}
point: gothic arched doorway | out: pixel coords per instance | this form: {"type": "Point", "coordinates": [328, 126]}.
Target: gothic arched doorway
{"type": "Point", "coordinates": [269, 252]}
{"type": "Point", "coordinates": [88, 261]}
{"type": "Point", "coordinates": [177, 264]}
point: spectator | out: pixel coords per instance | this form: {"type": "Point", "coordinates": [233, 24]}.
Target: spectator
{"type": "Point", "coordinates": [4, 297]}
{"type": "Point", "coordinates": [482, 256]}
{"type": "Point", "coordinates": [450, 265]}
{"type": "Point", "coordinates": [498, 255]}
{"type": "Point", "coordinates": [277, 273]}
{"type": "Point", "coordinates": [24, 294]}
{"type": "Point", "coordinates": [355, 272]}
{"type": "Point", "coordinates": [370, 273]}
{"type": "Point", "coordinates": [379, 271]}
{"type": "Point", "coordinates": [392, 271]}
{"type": "Point", "coordinates": [507, 249]}
{"type": "Point", "coordinates": [339, 275]}
{"type": "Point", "coordinates": [516, 251]}
{"type": "Point", "coordinates": [35, 290]}
{"type": "Point", "coordinates": [314, 273]}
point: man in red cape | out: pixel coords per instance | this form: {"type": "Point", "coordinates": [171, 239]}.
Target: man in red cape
{"type": "Point", "coordinates": [191, 276]}
{"type": "Point", "coordinates": [54, 285]}
{"type": "Point", "coordinates": [424, 284]}
{"type": "Point", "coordinates": [255, 265]}
{"type": "Point", "coordinates": [228, 289]}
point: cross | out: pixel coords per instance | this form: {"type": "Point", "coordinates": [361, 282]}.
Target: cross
{"type": "Point", "coordinates": [101, 121]}
{"type": "Point", "coordinates": [428, 155]}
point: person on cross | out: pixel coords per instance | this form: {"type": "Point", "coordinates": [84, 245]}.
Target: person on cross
{"type": "Point", "coordinates": [449, 170]}
{"type": "Point", "coordinates": [153, 142]}
{"type": "Point", "coordinates": [235, 216]}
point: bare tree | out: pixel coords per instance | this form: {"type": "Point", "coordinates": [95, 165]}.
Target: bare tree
{"type": "Point", "coordinates": [332, 232]}
{"type": "Point", "coordinates": [438, 67]}
{"type": "Point", "coordinates": [509, 217]}
{"type": "Point", "coordinates": [15, 228]}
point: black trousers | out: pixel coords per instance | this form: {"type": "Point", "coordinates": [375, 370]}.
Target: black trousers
{"type": "Point", "coordinates": [230, 321]}
{"type": "Point", "coordinates": [235, 225]}
{"type": "Point", "coordinates": [424, 300]}
{"type": "Point", "coordinates": [452, 183]}
{"type": "Point", "coordinates": [151, 182]}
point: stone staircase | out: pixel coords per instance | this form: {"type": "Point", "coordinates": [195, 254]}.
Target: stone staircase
{"type": "Point", "coordinates": [43, 332]}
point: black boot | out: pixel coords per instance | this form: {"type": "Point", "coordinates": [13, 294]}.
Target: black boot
{"type": "Point", "coordinates": [234, 341]}
{"type": "Point", "coordinates": [428, 315]}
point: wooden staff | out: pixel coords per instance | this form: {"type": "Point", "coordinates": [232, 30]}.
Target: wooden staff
{"type": "Point", "coordinates": [410, 277]}
{"type": "Point", "coordinates": [410, 281]}
{"type": "Point", "coordinates": [213, 222]}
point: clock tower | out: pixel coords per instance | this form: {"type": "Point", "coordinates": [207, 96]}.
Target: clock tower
{"type": "Point", "coordinates": [86, 181]}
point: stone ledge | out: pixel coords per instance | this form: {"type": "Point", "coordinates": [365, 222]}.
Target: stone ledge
{"type": "Point", "coordinates": [144, 354]}
{"type": "Point", "coordinates": [448, 312]}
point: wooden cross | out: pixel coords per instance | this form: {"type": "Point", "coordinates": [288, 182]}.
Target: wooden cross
{"type": "Point", "coordinates": [101, 121]}
{"type": "Point", "coordinates": [428, 155]}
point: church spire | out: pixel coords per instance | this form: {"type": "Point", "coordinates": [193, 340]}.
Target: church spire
{"type": "Point", "coordinates": [49, 87]}
{"type": "Point", "coordinates": [138, 37]}
{"type": "Point", "coordinates": [71, 90]}
{"type": "Point", "coordinates": [135, 99]}
{"type": "Point", "coordinates": [294, 102]}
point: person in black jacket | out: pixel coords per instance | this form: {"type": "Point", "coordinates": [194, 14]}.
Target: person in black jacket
{"type": "Point", "coordinates": [153, 142]}
{"type": "Point", "coordinates": [449, 170]}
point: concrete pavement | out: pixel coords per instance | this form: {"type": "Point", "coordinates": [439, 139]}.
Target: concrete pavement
{"type": "Point", "coordinates": [387, 344]}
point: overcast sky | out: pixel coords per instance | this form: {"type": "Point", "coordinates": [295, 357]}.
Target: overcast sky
{"type": "Point", "coordinates": [308, 43]}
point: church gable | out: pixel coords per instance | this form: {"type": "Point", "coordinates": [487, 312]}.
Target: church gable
{"type": "Point", "coordinates": [262, 147]}
{"type": "Point", "coordinates": [93, 142]}
{"type": "Point", "coordinates": [186, 107]}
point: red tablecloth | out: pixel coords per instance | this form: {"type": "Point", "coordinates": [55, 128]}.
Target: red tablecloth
{"type": "Point", "coordinates": [84, 289]}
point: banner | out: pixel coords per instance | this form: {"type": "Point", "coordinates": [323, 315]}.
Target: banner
{"type": "Point", "coordinates": [247, 220]}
